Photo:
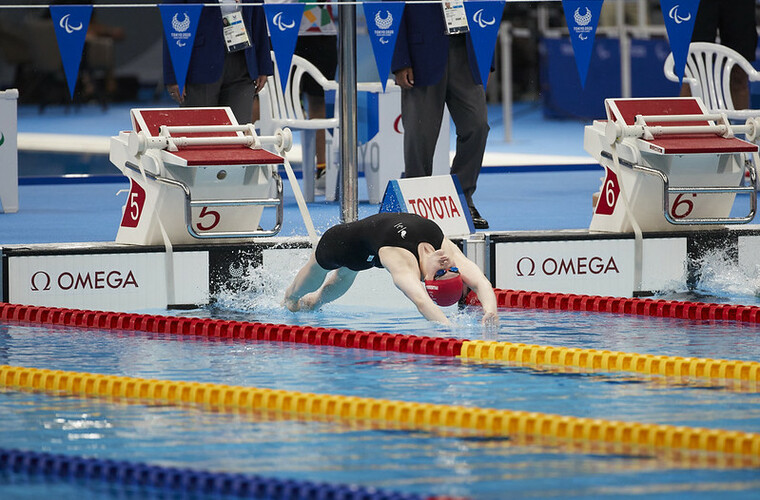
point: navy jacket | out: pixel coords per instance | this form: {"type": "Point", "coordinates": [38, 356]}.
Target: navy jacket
{"type": "Point", "coordinates": [207, 59]}
{"type": "Point", "coordinates": [423, 44]}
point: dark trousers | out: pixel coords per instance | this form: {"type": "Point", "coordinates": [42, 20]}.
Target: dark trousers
{"type": "Point", "coordinates": [422, 112]}
{"type": "Point", "coordinates": [234, 89]}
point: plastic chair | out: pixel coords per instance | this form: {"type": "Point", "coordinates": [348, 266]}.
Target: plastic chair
{"type": "Point", "coordinates": [708, 73]}
{"type": "Point", "coordinates": [279, 109]}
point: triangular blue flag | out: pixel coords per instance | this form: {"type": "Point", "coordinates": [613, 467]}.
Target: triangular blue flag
{"type": "Point", "coordinates": [383, 19]}
{"type": "Point", "coordinates": [393, 200]}
{"type": "Point", "coordinates": [284, 21]}
{"type": "Point", "coordinates": [71, 23]}
{"type": "Point", "coordinates": [180, 23]}
{"type": "Point", "coordinates": [484, 18]}
{"type": "Point", "coordinates": [679, 16]}
{"type": "Point", "coordinates": [582, 19]}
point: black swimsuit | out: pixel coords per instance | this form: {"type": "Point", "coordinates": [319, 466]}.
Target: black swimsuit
{"type": "Point", "coordinates": [355, 245]}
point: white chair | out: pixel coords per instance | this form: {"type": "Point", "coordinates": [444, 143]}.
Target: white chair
{"type": "Point", "coordinates": [280, 109]}
{"type": "Point", "coordinates": [708, 73]}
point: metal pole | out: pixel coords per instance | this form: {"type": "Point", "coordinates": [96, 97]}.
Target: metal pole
{"type": "Point", "coordinates": [625, 51]}
{"type": "Point", "coordinates": [349, 189]}
{"type": "Point", "coordinates": [505, 37]}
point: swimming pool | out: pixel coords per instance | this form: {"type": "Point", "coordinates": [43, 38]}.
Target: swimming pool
{"type": "Point", "coordinates": [380, 456]}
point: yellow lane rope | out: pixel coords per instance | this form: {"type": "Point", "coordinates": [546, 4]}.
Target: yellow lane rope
{"type": "Point", "coordinates": [611, 361]}
{"type": "Point", "coordinates": [408, 414]}
{"type": "Point", "coordinates": [745, 372]}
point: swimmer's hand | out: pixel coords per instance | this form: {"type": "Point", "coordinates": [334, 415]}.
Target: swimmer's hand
{"type": "Point", "coordinates": [292, 305]}
{"type": "Point", "coordinates": [310, 301]}
{"type": "Point", "coordinates": [490, 319]}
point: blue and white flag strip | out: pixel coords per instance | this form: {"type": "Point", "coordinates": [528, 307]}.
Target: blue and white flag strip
{"type": "Point", "coordinates": [679, 16]}
{"type": "Point", "coordinates": [383, 20]}
{"type": "Point", "coordinates": [180, 23]}
{"type": "Point", "coordinates": [71, 23]}
{"type": "Point", "coordinates": [582, 19]}
{"type": "Point", "coordinates": [484, 19]}
{"type": "Point", "coordinates": [284, 21]}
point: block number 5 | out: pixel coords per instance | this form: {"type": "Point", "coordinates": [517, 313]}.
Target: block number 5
{"type": "Point", "coordinates": [212, 223]}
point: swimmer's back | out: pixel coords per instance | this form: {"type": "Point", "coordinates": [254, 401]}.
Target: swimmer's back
{"type": "Point", "coordinates": [355, 244]}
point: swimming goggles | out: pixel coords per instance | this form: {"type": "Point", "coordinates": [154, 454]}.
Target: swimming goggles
{"type": "Point", "coordinates": [439, 273]}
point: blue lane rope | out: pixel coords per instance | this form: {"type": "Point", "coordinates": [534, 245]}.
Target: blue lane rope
{"type": "Point", "coordinates": [184, 480]}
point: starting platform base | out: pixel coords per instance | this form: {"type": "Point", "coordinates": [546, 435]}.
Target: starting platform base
{"type": "Point", "coordinates": [120, 277]}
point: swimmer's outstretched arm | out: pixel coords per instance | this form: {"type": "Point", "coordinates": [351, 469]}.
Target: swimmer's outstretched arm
{"type": "Point", "coordinates": [309, 278]}
{"type": "Point", "coordinates": [405, 272]}
{"type": "Point", "coordinates": [335, 285]}
{"type": "Point", "coordinates": [474, 278]}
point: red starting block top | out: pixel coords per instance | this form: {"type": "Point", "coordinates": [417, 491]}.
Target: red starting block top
{"type": "Point", "coordinates": [627, 109]}
{"type": "Point", "coordinates": [150, 120]}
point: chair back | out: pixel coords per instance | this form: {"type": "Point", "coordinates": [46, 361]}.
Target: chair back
{"type": "Point", "coordinates": [708, 74]}
{"type": "Point", "coordinates": [283, 108]}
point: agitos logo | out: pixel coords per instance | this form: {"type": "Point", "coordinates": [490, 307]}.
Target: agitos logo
{"type": "Point", "coordinates": [42, 281]}
{"type": "Point", "coordinates": [572, 266]}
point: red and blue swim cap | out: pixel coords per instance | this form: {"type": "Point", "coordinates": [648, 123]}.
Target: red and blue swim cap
{"type": "Point", "coordinates": [445, 292]}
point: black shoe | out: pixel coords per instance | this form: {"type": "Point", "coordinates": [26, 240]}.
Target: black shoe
{"type": "Point", "coordinates": [477, 221]}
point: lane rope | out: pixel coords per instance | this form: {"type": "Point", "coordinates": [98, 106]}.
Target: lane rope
{"type": "Point", "coordinates": [425, 416]}
{"type": "Point", "coordinates": [522, 354]}
{"type": "Point", "coordinates": [184, 480]}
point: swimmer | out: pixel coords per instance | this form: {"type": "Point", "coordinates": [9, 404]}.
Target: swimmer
{"type": "Point", "coordinates": [411, 248]}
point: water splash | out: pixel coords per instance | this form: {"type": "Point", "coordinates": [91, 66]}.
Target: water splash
{"type": "Point", "coordinates": [721, 276]}
{"type": "Point", "coordinates": [260, 288]}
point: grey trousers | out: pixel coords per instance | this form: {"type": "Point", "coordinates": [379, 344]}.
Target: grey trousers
{"type": "Point", "coordinates": [234, 89]}
{"type": "Point", "coordinates": [422, 112]}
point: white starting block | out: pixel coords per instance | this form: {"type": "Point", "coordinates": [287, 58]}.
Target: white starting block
{"type": "Point", "coordinates": [676, 166]}
{"type": "Point", "coordinates": [195, 174]}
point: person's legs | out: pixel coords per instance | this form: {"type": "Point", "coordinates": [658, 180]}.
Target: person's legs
{"type": "Point", "coordinates": [201, 94]}
{"type": "Point", "coordinates": [317, 110]}
{"type": "Point", "coordinates": [739, 88]}
{"type": "Point", "coordinates": [421, 115]}
{"type": "Point", "coordinates": [322, 52]}
{"type": "Point", "coordinates": [738, 30]}
{"type": "Point", "coordinates": [237, 89]}
{"type": "Point", "coordinates": [467, 104]}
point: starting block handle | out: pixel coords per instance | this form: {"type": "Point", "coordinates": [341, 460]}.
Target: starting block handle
{"type": "Point", "coordinates": [190, 203]}
{"type": "Point", "coordinates": [139, 142]}
{"type": "Point", "coordinates": [614, 130]}
{"type": "Point", "coordinates": [668, 190]}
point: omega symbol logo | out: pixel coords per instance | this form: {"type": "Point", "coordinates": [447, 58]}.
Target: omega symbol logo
{"type": "Point", "coordinates": [526, 264]}
{"type": "Point", "coordinates": [64, 23]}
{"type": "Point", "coordinates": [40, 278]}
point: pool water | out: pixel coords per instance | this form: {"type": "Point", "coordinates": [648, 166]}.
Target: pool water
{"type": "Point", "coordinates": [452, 463]}
{"type": "Point", "coordinates": [430, 463]}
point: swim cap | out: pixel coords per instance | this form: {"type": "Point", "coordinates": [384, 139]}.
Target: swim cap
{"type": "Point", "coordinates": [445, 292]}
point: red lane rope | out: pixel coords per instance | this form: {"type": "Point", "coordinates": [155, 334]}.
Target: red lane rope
{"type": "Point", "coordinates": [620, 305]}
{"type": "Point", "coordinates": [203, 327]}
{"type": "Point", "coordinates": [412, 344]}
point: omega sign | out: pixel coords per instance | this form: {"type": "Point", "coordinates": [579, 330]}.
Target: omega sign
{"type": "Point", "coordinates": [566, 266]}
{"type": "Point", "coordinates": [42, 281]}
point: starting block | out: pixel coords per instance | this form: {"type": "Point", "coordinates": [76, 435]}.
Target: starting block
{"type": "Point", "coordinates": [670, 165]}
{"type": "Point", "coordinates": [196, 174]}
